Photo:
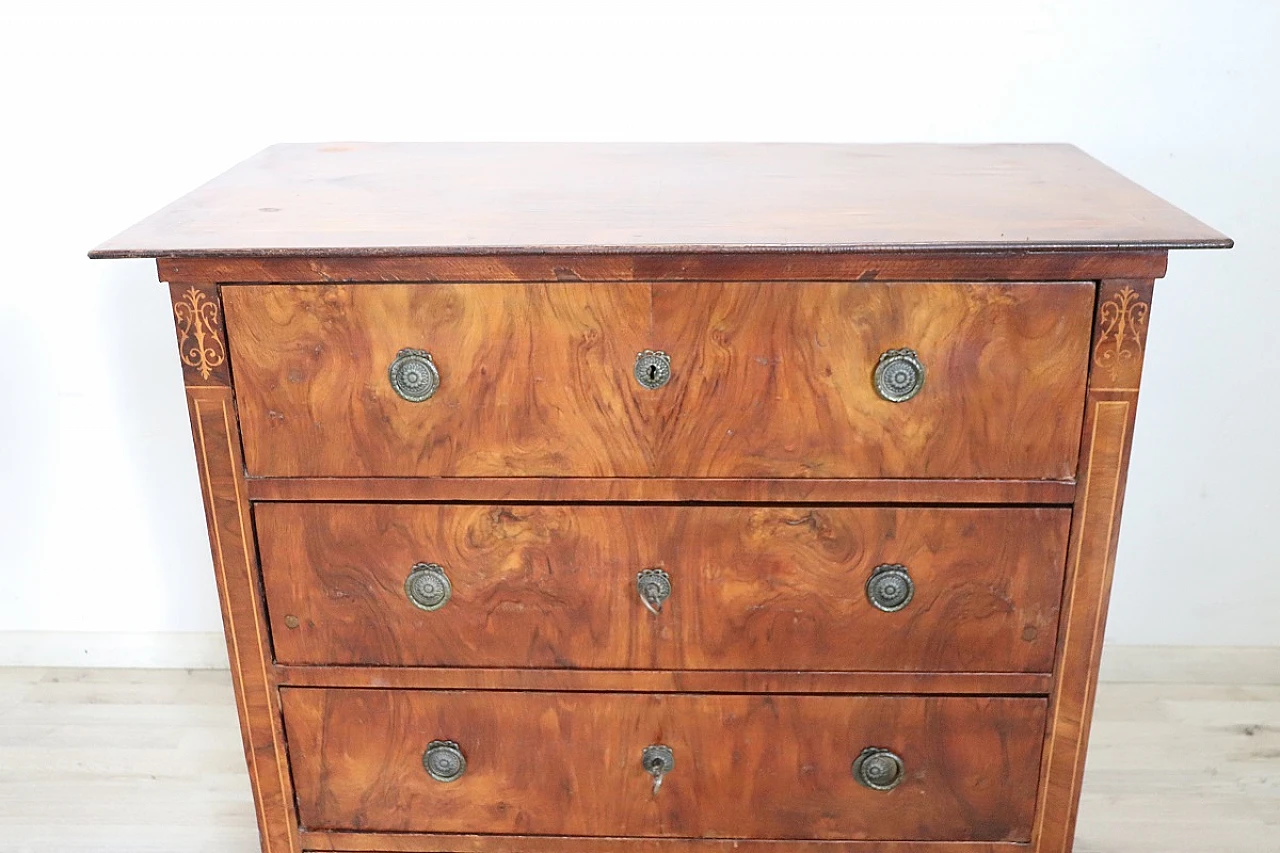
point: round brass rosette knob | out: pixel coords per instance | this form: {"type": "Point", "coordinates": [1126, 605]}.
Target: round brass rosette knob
{"type": "Point", "coordinates": [899, 375]}
{"type": "Point", "coordinates": [878, 769]}
{"type": "Point", "coordinates": [890, 587]}
{"type": "Point", "coordinates": [444, 761]}
{"type": "Point", "coordinates": [413, 375]}
{"type": "Point", "coordinates": [427, 586]}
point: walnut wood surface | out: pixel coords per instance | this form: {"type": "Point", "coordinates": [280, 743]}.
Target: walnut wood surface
{"type": "Point", "coordinates": [768, 379]}
{"type": "Point", "coordinates": [1120, 337]}
{"type": "Point", "coordinates": [248, 645]}
{"type": "Point", "coordinates": [411, 198]}
{"type": "Point", "coordinates": [401, 842]}
{"type": "Point", "coordinates": [752, 588]}
{"type": "Point", "coordinates": [666, 681]}
{"type": "Point", "coordinates": [655, 489]}
{"type": "Point", "coordinates": [746, 766]}
{"type": "Point", "coordinates": [820, 266]}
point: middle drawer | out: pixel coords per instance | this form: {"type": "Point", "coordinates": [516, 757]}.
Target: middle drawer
{"type": "Point", "coordinates": [842, 589]}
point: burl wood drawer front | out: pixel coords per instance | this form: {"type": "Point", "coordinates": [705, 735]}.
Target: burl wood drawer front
{"type": "Point", "coordinates": [766, 379]}
{"type": "Point", "coordinates": [744, 766]}
{"type": "Point", "coordinates": [750, 588]}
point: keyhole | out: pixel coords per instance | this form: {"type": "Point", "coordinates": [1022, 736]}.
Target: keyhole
{"type": "Point", "coordinates": [653, 372]}
{"type": "Point", "coordinates": [656, 770]}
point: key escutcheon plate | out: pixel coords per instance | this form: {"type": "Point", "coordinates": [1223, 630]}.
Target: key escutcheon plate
{"type": "Point", "coordinates": [658, 760]}
{"type": "Point", "coordinates": [654, 586]}
{"type": "Point", "coordinates": [653, 369]}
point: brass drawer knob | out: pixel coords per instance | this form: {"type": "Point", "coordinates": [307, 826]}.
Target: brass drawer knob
{"type": "Point", "coordinates": [899, 375]}
{"type": "Point", "coordinates": [654, 586]}
{"type": "Point", "coordinates": [658, 760]}
{"type": "Point", "coordinates": [444, 761]}
{"type": "Point", "coordinates": [413, 375]}
{"type": "Point", "coordinates": [427, 586]}
{"type": "Point", "coordinates": [653, 369]}
{"type": "Point", "coordinates": [890, 587]}
{"type": "Point", "coordinates": [878, 769]}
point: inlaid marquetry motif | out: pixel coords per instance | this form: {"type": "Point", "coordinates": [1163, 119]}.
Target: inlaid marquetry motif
{"type": "Point", "coordinates": [1122, 322]}
{"type": "Point", "coordinates": [199, 335]}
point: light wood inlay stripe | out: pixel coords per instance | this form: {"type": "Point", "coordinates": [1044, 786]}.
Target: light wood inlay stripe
{"type": "Point", "coordinates": [259, 630]}
{"type": "Point", "coordinates": [254, 680]}
{"type": "Point", "coordinates": [1101, 484]}
{"type": "Point", "coordinates": [1117, 427]}
{"type": "Point", "coordinates": [233, 635]}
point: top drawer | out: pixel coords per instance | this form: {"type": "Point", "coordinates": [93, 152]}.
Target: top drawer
{"type": "Point", "coordinates": [767, 379]}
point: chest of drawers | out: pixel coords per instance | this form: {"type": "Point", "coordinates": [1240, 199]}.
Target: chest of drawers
{"type": "Point", "coordinates": [663, 498]}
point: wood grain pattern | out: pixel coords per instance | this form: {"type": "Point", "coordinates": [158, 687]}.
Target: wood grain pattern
{"type": "Point", "coordinates": [778, 379]}
{"type": "Point", "coordinates": [400, 842]}
{"type": "Point", "coordinates": [768, 379]}
{"type": "Point", "coordinates": [357, 199]}
{"type": "Point", "coordinates": [752, 588]}
{"type": "Point", "coordinates": [661, 490]}
{"type": "Point", "coordinates": [1107, 437]}
{"type": "Point", "coordinates": [536, 379]}
{"type": "Point", "coordinates": [243, 614]}
{"type": "Point", "coordinates": [746, 766]}
{"type": "Point", "coordinates": [666, 681]}
{"type": "Point", "coordinates": [1022, 265]}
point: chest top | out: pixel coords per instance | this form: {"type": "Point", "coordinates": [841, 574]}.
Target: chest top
{"type": "Point", "coordinates": [388, 199]}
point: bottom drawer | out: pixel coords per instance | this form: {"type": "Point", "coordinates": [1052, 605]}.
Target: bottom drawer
{"type": "Point", "coordinates": [738, 766]}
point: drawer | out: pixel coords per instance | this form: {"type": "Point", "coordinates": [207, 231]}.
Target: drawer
{"type": "Point", "coordinates": [749, 588]}
{"type": "Point", "coordinates": [761, 766]}
{"type": "Point", "coordinates": [765, 379]}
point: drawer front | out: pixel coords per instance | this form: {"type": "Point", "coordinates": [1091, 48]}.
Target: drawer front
{"type": "Point", "coordinates": [766, 379]}
{"type": "Point", "coordinates": [749, 588]}
{"type": "Point", "coordinates": [742, 766]}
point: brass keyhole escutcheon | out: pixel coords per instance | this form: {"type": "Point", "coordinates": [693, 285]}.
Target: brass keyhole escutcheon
{"type": "Point", "coordinates": [654, 586]}
{"type": "Point", "coordinates": [653, 369]}
{"type": "Point", "coordinates": [658, 760]}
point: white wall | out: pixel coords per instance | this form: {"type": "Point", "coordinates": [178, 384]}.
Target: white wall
{"type": "Point", "coordinates": [112, 115]}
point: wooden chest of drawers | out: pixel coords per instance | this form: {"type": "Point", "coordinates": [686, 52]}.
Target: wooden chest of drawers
{"type": "Point", "coordinates": [645, 498]}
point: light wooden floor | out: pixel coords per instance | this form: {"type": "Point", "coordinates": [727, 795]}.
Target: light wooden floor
{"type": "Point", "coordinates": [134, 761]}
